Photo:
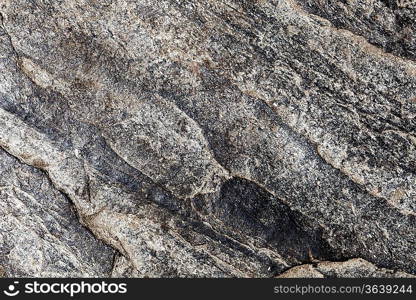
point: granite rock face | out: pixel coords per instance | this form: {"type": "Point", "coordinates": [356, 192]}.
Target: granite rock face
{"type": "Point", "coordinates": [353, 268]}
{"type": "Point", "coordinates": [208, 138]}
{"type": "Point", "coordinates": [40, 234]}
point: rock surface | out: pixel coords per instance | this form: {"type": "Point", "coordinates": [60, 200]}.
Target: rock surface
{"type": "Point", "coordinates": [40, 234]}
{"type": "Point", "coordinates": [208, 138]}
{"type": "Point", "coordinates": [353, 268]}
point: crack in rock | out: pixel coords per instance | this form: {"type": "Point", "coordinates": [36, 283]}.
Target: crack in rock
{"type": "Point", "coordinates": [208, 138]}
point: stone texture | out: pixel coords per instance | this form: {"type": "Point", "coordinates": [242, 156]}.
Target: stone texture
{"type": "Point", "coordinates": [40, 235]}
{"type": "Point", "coordinates": [353, 268]}
{"type": "Point", "coordinates": [208, 138]}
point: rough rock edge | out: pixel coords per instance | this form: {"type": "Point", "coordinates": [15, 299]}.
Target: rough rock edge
{"type": "Point", "coordinates": [355, 268]}
{"type": "Point", "coordinates": [121, 261]}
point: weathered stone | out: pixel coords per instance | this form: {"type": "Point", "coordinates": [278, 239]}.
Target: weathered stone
{"type": "Point", "coordinates": [40, 235]}
{"type": "Point", "coordinates": [211, 138]}
{"type": "Point", "coordinates": [353, 268]}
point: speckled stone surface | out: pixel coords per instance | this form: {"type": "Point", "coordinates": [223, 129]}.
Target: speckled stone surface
{"type": "Point", "coordinates": [208, 138]}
